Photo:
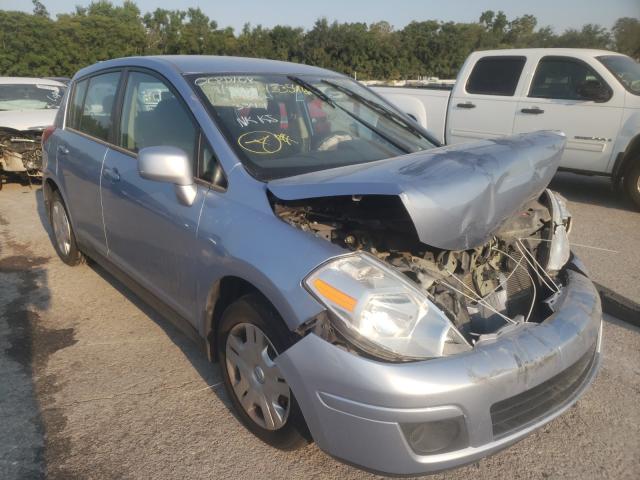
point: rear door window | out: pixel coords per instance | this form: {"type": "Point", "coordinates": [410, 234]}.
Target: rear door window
{"type": "Point", "coordinates": [152, 115]}
{"type": "Point", "coordinates": [495, 76]}
{"type": "Point", "coordinates": [97, 109]}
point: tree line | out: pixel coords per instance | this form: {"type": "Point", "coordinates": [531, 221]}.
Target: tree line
{"type": "Point", "coordinates": [34, 44]}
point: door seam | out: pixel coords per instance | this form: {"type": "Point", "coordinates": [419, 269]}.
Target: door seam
{"type": "Point", "coordinates": [104, 225]}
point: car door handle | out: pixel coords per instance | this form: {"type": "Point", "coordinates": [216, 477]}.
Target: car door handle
{"type": "Point", "coordinates": [111, 174]}
{"type": "Point", "coordinates": [63, 150]}
{"type": "Point", "coordinates": [466, 105]}
{"type": "Point", "coordinates": [534, 111]}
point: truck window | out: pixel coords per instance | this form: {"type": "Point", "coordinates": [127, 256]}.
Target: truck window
{"type": "Point", "coordinates": [496, 76]}
{"type": "Point", "coordinates": [561, 77]}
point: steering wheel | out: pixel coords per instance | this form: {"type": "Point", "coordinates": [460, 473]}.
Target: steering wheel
{"type": "Point", "coordinates": [333, 139]}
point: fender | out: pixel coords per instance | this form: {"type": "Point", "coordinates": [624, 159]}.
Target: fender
{"type": "Point", "coordinates": [625, 159]}
{"type": "Point", "coordinates": [627, 146]}
{"type": "Point", "coordinates": [48, 191]}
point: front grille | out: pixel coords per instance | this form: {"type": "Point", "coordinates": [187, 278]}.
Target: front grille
{"type": "Point", "coordinates": [525, 408]}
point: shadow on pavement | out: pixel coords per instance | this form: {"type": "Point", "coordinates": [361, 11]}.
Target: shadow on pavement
{"type": "Point", "coordinates": [632, 329]}
{"type": "Point", "coordinates": [593, 190]}
{"type": "Point", "coordinates": [25, 347]}
{"type": "Point", "coordinates": [210, 373]}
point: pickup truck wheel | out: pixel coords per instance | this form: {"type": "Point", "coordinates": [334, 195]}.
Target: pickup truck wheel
{"type": "Point", "coordinates": [63, 234]}
{"type": "Point", "coordinates": [632, 183]}
{"type": "Point", "coordinates": [251, 336]}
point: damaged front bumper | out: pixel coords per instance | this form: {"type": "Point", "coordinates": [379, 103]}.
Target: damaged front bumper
{"type": "Point", "coordinates": [427, 416]}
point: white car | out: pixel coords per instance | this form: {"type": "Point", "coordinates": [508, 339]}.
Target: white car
{"type": "Point", "coordinates": [593, 96]}
{"type": "Point", "coordinates": [27, 107]}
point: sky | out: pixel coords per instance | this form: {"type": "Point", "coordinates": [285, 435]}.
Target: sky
{"type": "Point", "coordinates": [559, 14]}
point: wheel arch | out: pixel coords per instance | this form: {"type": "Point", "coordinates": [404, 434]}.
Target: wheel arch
{"type": "Point", "coordinates": [627, 158]}
{"type": "Point", "coordinates": [223, 293]}
{"type": "Point", "coordinates": [51, 185]}
{"type": "Point", "coordinates": [48, 187]}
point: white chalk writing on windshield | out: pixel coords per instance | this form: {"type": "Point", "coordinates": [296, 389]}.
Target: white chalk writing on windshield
{"type": "Point", "coordinates": [246, 120]}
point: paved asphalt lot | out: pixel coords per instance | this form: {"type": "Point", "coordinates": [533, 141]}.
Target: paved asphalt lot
{"type": "Point", "coordinates": [606, 222]}
{"type": "Point", "coordinates": [94, 384]}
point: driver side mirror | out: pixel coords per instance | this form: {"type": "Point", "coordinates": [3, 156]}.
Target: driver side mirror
{"type": "Point", "coordinates": [594, 90]}
{"type": "Point", "coordinates": [170, 165]}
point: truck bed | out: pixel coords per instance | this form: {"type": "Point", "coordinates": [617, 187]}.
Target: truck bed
{"type": "Point", "coordinates": [417, 101]}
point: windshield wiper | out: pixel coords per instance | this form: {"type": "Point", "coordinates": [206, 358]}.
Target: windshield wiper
{"type": "Point", "coordinates": [381, 109]}
{"type": "Point", "coordinates": [323, 96]}
{"type": "Point", "coordinates": [315, 90]}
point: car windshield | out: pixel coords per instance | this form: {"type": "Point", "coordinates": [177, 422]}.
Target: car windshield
{"type": "Point", "coordinates": [16, 96]}
{"type": "Point", "coordinates": [286, 125]}
{"type": "Point", "coordinates": [625, 69]}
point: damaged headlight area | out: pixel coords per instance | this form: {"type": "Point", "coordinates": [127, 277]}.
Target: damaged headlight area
{"type": "Point", "coordinates": [397, 298]}
{"type": "Point", "coordinates": [21, 151]}
{"type": "Point", "coordinates": [380, 311]}
{"type": "Point", "coordinates": [558, 234]}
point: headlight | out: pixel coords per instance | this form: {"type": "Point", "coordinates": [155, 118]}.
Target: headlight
{"type": "Point", "coordinates": [559, 250]}
{"type": "Point", "coordinates": [380, 311]}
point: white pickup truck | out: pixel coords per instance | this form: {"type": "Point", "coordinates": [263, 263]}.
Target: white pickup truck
{"type": "Point", "coordinates": [593, 96]}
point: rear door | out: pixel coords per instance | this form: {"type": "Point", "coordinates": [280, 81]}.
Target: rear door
{"type": "Point", "coordinates": [553, 102]}
{"type": "Point", "coordinates": [81, 149]}
{"type": "Point", "coordinates": [152, 236]}
{"type": "Point", "coordinates": [483, 103]}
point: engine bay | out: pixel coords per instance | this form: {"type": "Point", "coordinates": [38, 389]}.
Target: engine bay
{"type": "Point", "coordinates": [481, 289]}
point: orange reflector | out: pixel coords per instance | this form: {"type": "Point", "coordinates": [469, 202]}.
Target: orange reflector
{"type": "Point", "coordinates": [335, 295]}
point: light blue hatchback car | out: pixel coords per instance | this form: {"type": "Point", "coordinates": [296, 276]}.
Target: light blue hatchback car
{"type": "Point", "coordinates": [409, 307]}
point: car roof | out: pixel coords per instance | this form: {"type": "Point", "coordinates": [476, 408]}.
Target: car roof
{"type": "Point", "coordinates": [29, 81]}
{"type": "Point", "coordinates": [186, 64]}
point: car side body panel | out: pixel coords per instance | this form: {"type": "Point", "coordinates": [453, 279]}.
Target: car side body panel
{"type": "Point", "coordinates": [243, 238]}
{"type": "Point", "coordinates": [79, 163]}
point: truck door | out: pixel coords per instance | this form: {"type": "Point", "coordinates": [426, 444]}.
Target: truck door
{"type": "Point", "coordinates": [483, 104]}
{"type": "Point", "coordinates": [554, 102]}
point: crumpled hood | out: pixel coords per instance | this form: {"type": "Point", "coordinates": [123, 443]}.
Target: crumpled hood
{"type": "Point", "coordinates": [456, 196]}
{"type": "Point", "coordinates": [28, 119]}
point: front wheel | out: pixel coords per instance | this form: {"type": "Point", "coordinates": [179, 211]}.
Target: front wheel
{"type": "Point", "coordinates": [632, 183]}
{"type": "Point", "coordinates": [251, 336]}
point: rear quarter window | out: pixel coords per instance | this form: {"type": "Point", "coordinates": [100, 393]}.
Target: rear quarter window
{"type": "Point", "coordinates": [495, 76]}
{"type": "Point", "coordinates": [75, 105]}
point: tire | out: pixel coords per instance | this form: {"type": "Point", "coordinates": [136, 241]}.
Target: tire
{"type": "Point", "coordinates": [64, 238]}
{"type": "Point", "coordinates": [250, 377]}
{"type": "Point", "coordinates": [632, 183]}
